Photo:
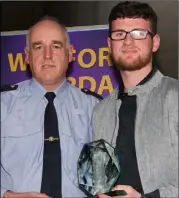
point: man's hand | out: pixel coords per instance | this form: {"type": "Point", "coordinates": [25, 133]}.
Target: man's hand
{"type": "Point", "coordinates": [131, 192]}
{"type": "Point", "coordinates": [10, 194]}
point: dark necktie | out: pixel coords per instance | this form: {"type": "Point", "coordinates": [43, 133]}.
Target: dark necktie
{"type": "Point", "coordinates": [51, 174]}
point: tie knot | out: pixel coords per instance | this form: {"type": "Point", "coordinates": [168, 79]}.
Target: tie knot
{"type": "Point", "coordinates": [50, 96]}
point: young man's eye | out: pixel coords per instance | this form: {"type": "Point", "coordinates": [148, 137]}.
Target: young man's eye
{"type": "Point", "coordinates": [120, 33]}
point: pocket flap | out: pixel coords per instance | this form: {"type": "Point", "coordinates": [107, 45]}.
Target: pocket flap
{"type": "Point", "coordinates": [17, 129]}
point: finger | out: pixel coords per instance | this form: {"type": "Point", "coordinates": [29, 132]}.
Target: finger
{"type": "Point", "coordinates": [121, 187]}
{"type": "Point", "coordinates": [40, 195]}
{"type": "Point", "coordinates": [45, 195]}
{"type": "Point", "coordinates": [118, 187]}
{"type": "Point", "coordinates": [101, 195]}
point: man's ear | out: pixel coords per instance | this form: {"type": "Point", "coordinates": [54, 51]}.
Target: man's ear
{"type": "Point", "coordinates": [109, 44]}
{"type": "Point", "coordinates": [156, 43]}
{"type": "Point", "coordinates": [26, 50]}
{"type": "Point", "coordinates": [71, 50]}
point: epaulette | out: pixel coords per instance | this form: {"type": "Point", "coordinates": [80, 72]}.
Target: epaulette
{"type": "Point", "coordinates": [8, 87]}
{"type": "Point", "coordinates": [88, 92]}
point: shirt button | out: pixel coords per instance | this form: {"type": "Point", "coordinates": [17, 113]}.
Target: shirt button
{"type": "Point", "coordinates": [130, 92]}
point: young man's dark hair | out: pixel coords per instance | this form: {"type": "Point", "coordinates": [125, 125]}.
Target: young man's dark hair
{"type": "Point", "coordinates": [132, 9]}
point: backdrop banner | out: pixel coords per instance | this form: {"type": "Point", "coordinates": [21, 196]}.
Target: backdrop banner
{"type": "Point", "coordinates": [91, 67]}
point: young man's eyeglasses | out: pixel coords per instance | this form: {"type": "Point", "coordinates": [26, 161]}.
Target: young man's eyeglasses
{"type": "Point", "coordinates": [137, 34]}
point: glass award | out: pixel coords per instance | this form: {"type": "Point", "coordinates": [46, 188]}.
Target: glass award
{"type": "Point", "coordinates": [98, 168]}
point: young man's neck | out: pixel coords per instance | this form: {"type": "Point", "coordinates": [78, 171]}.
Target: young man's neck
{"type": "Point", "coordinates": [132, 78]}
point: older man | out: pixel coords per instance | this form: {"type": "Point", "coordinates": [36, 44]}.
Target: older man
{"type": "Point", "coordinates": [45, 121]}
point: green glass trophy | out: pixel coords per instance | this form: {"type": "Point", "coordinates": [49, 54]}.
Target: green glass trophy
{"type": "Point", "coordinates": [98, 169]}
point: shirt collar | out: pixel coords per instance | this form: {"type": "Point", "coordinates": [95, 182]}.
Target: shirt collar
{"type": "Point", "coordinates": [39, 90]}
{"type": "Point", "coordinates": [149, 76]}
{"type": "Point", "coordinates": [143, 86]}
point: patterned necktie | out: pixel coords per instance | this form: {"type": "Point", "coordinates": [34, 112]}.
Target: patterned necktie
{"type": "Point", "coordinates": [51, 175]}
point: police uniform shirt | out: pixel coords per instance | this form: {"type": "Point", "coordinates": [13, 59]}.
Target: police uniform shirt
{"type": "Point", "coordinates": [22, 136]}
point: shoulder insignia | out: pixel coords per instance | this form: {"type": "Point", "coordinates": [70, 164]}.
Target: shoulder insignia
{"type": "Point", "coordinates": [8, 87]}
{"type": "Point", "coordinates": [88, 92]}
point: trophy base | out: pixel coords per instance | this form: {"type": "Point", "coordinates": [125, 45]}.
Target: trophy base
{"type": "Point", "coordinates": [112, 193]}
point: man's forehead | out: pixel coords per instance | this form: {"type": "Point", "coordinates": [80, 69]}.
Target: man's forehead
{"type": "Point", "coordinates": [131, 22]}
{"type": "Point", "coordinates": [46, 28]}
{"type": "Point", "coordinates": [46, 22]}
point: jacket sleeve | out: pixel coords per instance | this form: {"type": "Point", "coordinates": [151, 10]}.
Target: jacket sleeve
{"type": "Point", "coordinates": [171, 190]}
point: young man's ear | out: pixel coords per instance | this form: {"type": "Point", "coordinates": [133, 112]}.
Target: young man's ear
{"type": "Point", "coordinates": [109, 44]}
{"type": "Point", "coordinates": [156, 43]}
{"type": "Point", "coordinates": [26, 50]}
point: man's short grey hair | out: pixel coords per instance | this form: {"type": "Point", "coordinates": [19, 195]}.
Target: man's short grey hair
{"type": "Point", "coordinates": [53, 19]}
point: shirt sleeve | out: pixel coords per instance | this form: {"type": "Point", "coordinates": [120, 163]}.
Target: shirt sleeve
{"type": "Point", "coordinates": [171, 190]}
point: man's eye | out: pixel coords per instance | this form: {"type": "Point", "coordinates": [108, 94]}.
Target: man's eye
{"type": "Point", "coordinates": [38, 47]}
{"type": "Point", "coordinates": [141, 33]}
{"type": "Point", "coordinates": [57, 46]}
{"type": "Point", "coordinates": [119, 34]}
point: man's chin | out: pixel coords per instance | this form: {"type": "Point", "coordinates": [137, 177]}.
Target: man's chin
{"type": "Point", "coordinates": [130, 67]}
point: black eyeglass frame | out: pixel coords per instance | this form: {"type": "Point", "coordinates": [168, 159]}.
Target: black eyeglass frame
{"type": "Point", "coordinates": [129, 32]}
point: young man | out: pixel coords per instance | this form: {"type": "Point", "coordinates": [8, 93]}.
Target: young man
{"type": "Point", "coordinates": [45, 121]}
{"type": "Point", "coordinates": [140, 118]}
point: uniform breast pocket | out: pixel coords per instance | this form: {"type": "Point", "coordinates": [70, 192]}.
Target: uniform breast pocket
{"type": "Point", "coordinates": [18, 143]}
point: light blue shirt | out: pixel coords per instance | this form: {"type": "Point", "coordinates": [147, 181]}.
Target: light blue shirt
{"type": "Point", "coordinates": [22, 136]}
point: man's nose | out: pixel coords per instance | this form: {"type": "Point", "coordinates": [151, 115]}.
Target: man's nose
{"type": "Point", "coordinates": [48, 53]}
{"type": "Point", "coordinates": [128, 40]}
